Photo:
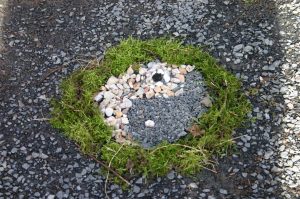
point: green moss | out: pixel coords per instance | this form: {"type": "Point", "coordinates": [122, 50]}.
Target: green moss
{"type": "Point", "coordinates": [77, 116]}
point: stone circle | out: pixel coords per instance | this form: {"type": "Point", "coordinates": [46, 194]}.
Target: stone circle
{"type": "Point", "coordinates": [153, 102]}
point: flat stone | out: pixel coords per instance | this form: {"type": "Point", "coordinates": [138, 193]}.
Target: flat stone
{"type": "Point", "coordinates": [149, 123]}
{"type": "Point", "coordinates": [125, 120]}
{"type": "Point", "coordinates": [108, 95]}
{"type": "Point", "coordinates": [167, 77]}
{"type": "Point", "coordinates": [118, 114]}
{"type": "Point", "coordinates": [238, 47]}
{"type": "Point", "coordinates": [189, 68]}
{"type": "Point", "coordinates": [206, 102]}
{"type": "Point", "coordinates": [126, 103]}
{"type": "Point", "coordinates": [150, 94]}
{"type": "Point", "coordinates": [109, 112]}
{"type": "Point", "coordinates": [182, 71]}
{"type": "Point", "coordinates": [112, 80]}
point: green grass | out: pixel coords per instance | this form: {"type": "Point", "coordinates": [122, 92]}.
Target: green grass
{"type": "Point", "coordinates": [78, 118]}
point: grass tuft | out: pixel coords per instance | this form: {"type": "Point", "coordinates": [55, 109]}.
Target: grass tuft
{"type": "Point", "coordinates": [77, 116]}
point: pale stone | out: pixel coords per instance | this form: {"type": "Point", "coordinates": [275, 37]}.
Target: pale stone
{"type": "Point", "coordinates": [109, 111]}
{"type": "Point", "coordinates": [136, 86]}
{"type": "Point", "coordinates": [157, 95]}
{"type": "Point", "coordinates": [181, 78]}
{"type": "Point", "coordinates": [165, 88]}
{"type": "Point", "coordinates": [103, 88]}
{"type": "Point", "coordinates": [123, 133]}
{"type": "Point", "coordinates": [150, 94]}
{"type": "Point", "coordinates": [118, 114]}
{"type": "Point", "coordinates": [125, 120]}
{"type": "Point", "coordinates": [175, 71]}
{"type": "Point", "coordinates": [170, 93]}
{"type": "Point", "coordinates": [112, 80]}
{"type": "Point", "coordinates": [130, 84]}
{"type": "Point", "coordinates": [133, 97]}
{"type": "Point", "coordinates": [149, 123]}
{"type": "Point", "coordinates": [120, 93]}
{"type": "Point", "coordinates": [125, 77]}
{"type": "Point", "coordinates": [104, 103]}
{"type": "Point", "coordinates": [140, 92]}
{"type": "Point", "coordinates": [120, 86]}
{"type": "Point", "coordinates": [175, 80]}
{"type": "Point", "coordinates": [159, 83]}
{"type": "Point", "coordinates": [179, 92]}
{"type": "Point", "coordinates": [108, 95]}
{"type": "Point", "coordinates": [138, 78]}
{"type": "Point", "coordinates": [98, 97]}
{"type": "Point", "coordinates": [206, 102]}
{"type": "Point", "coordinates": [126, 86]}
{"type": "Point", "coordinates": [146, 89]}
{"type": "Point", "coordinates": [167, 77]}
{"type": "Point", "coordinates": [165, 95]}
{"type": "Point", "coordinates": [125, 111]}
{"type": "Point", "coordinates": [157, 89]}
{"type": "Point", "coordinates": [126, 103]}
{"type": "Point", "coordinates": [160, 71]}
{"type": "Point", "coordinates": [189, 68]}
{"type": "Point", "coordinates": [172, 85]}
{"type": "Point", "coordinates": [130, 71]}
{"type": "Point", "coordinates": [112, 87]}
{"type": "Point", "coordinates": [142, 71]}
{"type": "Point", "coordinates": [152, 65]}
{"type": "Point", "coordinates": [111, 120]}
{"type": "Point", "coordinates": [115, 91]}
{"type": "Point", "coordinates": [182, 71]}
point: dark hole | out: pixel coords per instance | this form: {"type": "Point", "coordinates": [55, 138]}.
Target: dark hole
{"type": "Point", "coordinates": [157, 77]}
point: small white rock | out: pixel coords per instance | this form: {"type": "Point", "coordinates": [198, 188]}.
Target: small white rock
{"type": "Point", "coordinates": [112, 80]}
{"type": "Point", "coordinates": [150, 94]}
{"type": "Point", "coordinates": [142, 71]}
{"type": "Point", "coordinates": [130, 71]}
{"type": "Point", "coordinates": [125, 120]}
{"type": "Point", "coordinates": [193, 185]}
{"type": "Point", "coordinates": [160, 71]}
{"type": "Point", "coordinates": [189, 68]}
{"type": "Point", "coordinates": [127, 103]}
{"type": "Point", "coordinates": [167, 77]}
{"type": "Point", "coordinates": [108, 95]}
{"type": "Point", "coordinates": [149, 123]}
{"type": "Point", "coordinates": [109, 111]}
{"type": "Point", "coordinates": [98, 97]}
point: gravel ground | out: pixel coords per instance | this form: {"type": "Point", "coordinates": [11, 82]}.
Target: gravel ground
{"type": "Point", "coordinates": [172, 116]}
{"type": "Point", "coordinates": [44, 41]}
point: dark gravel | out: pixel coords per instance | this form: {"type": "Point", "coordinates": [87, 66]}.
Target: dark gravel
{"type": "Point", "coordinates": [172, 116]}
{"type": "Point", "coordinates": [44, 41]}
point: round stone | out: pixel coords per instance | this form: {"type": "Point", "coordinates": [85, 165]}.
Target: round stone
{"type": "Point", "coordinates": [149, 123]}
{"type": "Point", "coordinates": [109, 112]}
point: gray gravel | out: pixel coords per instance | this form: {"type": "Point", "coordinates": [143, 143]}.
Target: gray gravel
{"type": "Point", "coordinates": [44, 41]}
{"type": "Point", "coordinates": [172, 116]}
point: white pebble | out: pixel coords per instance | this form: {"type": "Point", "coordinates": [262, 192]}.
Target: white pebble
{"type": "Point", "coordinates": [109, 111]}
{"type": "Point", "coordinates": [98, 97]}
{"type": "Point", "coordinates": [167, 77]}
{"type": "Point", "coordinates": [189, 68]}
{"type": "Point", "coordinates": [149, 123]}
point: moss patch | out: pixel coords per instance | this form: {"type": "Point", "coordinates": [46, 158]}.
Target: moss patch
{"type": "Point", "coordinates": [76, 115]}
